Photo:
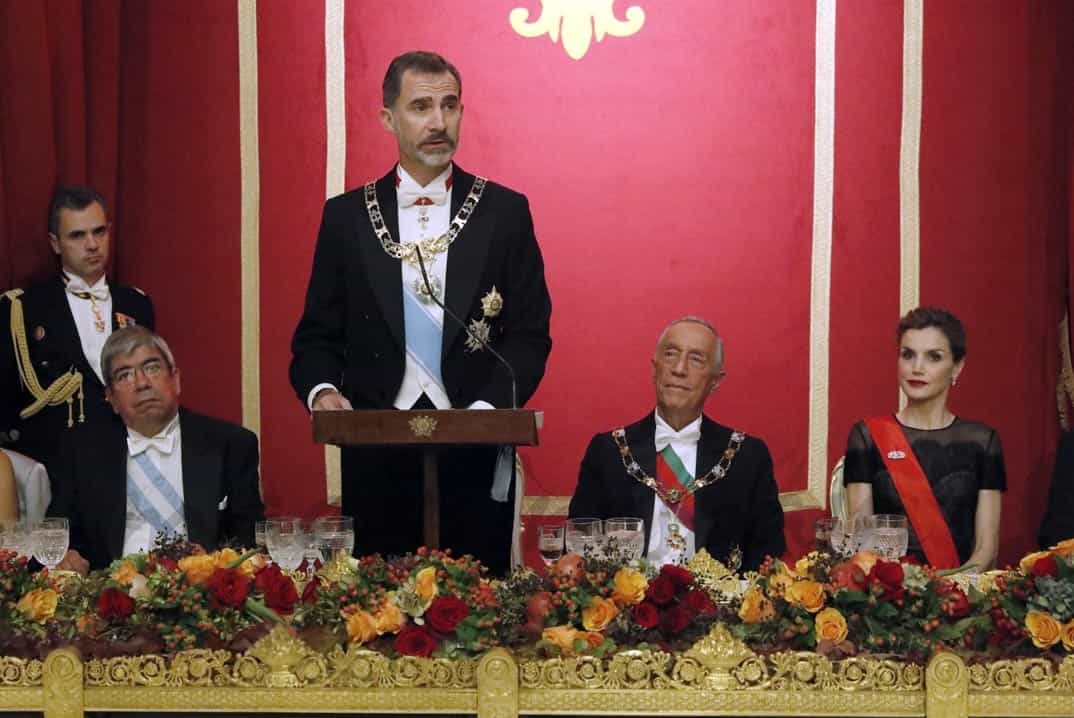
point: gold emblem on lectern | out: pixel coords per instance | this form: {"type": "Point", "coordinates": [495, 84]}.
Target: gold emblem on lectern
{"type": "Point", "coordinates": [423, 425]}
{"type": "Point", "coordinates": [578, 21]}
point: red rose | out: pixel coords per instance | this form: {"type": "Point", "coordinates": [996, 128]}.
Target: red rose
{"type": "Point", "coordinates": [1045, 566]}
{"type": "Point", "coordinates": [646, 615]}
{"type": "Point", "coordinates": [415, 641]}
{"type": "Point", "coordinates": [888, 575]}
{"type": "Point", "coordinates": [309, 593]}
{"type": "Point", "coordinates": [228, 587]}
{"type": "Point", "coordinates": [661, 590]}
{"type": "Point", "coordinates": [266, 576]}
{"type": "Point", "coordinates": [445, 612]}
{"type": "Point", "coordinates": [681, 577]}
{"type": "Point", "coordinates": [281, 595]}
{"type": "Point", "coordinates": [699, 602]}
{"type": "Point", "coordinates": [675, 620]}
{"type": "Point", "coordinates": [114, 605]}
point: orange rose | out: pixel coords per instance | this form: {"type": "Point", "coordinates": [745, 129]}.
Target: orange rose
{"type": "Point", "coordinates": [425, 585]}
{"type": "Point", "coordinates": [197, 568]}
{"type": "Point", "coordinates": [806, 594]}
{"type": "Point", "coordinates": [755, 607]}
{"type": "Point", "coordinates": [125, 573]}
{"type": "Point", "coordinates": [831, 626]}
{"type": "Point", "coordinates": [361, 627]}
{"type": "Point", "coordinates": [630, 587]}
{"type": "Point", "coordinates": [561, 636]}
{"type": "Point", "coordinates": [1026, 564]}
{"type": "Point", "coordinates": [1068, 636]}
{"type": "Point", "coordinates": [591, 638]}
{"type": "Point", "coordinates": [1043, 629]}
{"type": "Point", "coordinates": [39, 605]}
{"type": "Point", "coordinates": [865, 560]}
{"type": "Point", "coordinates": [227, 556]}
{"type": "Point", "coordinates": [1064, 548]}
{"type": "Point", "coordinates": [599, 614]}
{"type": "Point", "coordinates": [389, 619]}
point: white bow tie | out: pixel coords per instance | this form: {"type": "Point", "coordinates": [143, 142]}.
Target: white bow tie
{"type": "Point", "coordinates": [665, 435]}
{"type": "Point", "coordinates": [164, 443]}
{"type": "Point", "coordinates": [77, 286]}
{"type": "Point", "coordinates": [409, 195]}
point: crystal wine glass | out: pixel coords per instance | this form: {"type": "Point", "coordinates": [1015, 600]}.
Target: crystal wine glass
{"type": "Point", "coordinates": [286, 540]}
{"type": "Point", "coordinates": [550, 543]}
{"type": "Point", "coordinates": [259, 534]}
{"type": "Point", "coordinates": [15, 535]}
{"type": "Point", "coordinates": [334, 535]}
{"type": "Point", "coordinates": [847, 535]}
{"type": "Point", "coordinates": [50, 539]}
{"type": "Point", "coordinates": [889, 535]}
{"type": "Point", "coordinates": [584, 534]}
{"type": "Point", "coordinates": [629, 535]}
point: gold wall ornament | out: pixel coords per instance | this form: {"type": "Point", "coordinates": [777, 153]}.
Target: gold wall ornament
{"type": "Point", "coordinates": [423, 425]}
{"type": "Point", "coordinates": [579, 22]}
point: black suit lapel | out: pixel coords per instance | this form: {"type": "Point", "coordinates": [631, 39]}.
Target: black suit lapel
{"type": "Point", "coordinates": [201, 477]}
{"type": "Point", "coordinates": [383, 270]}
{"type": "Point", "coordinates": [640, 438]}
{"type": "Point", "coordinates": [467, 257]}
{"type": "Point", "coordinates": [710, 449]}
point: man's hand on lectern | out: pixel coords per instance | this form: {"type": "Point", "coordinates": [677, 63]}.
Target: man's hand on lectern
{"type": "Point", "coordinates": [331, 400]}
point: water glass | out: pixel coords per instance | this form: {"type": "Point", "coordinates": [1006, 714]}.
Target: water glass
{"type": "Point", "coordinates": [888, 535]}
{"type": "Point", "coordinates": [50, 539]}
{"type": "Point", "coordinates": [822, 534]}
{"type": "Point", "coordinates": [333, 535]}
{"type": "Point", "coordinates": [627, 534]}
{"type": "Point", "coordinates": [259, 534]}
{"type": "Point", "coordinates": [15, 535]}
{"type": "Point", "coordinates": [550, 543]}
{"type": "Point", "coordinates": [286, 540]}
{"type": "Point", "coordinates": [584, 534]}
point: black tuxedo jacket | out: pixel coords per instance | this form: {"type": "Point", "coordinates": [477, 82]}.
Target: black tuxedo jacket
{"type": "Point", "coordinates": [351, 332]}
{"type": "Point", "coordinates": [1058, 522]}
{"type": "Point", "coordinates": [220, 460]}
{"type": "Point", "coordinates": [742, 509]}
{"type": "Point", "coordinates": [52, 338]}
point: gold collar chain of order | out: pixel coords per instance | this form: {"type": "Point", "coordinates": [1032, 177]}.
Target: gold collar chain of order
{"type": "Point", "coordinates": [429, 247]}
{"type": "Point", "coordinates": [674, 496]}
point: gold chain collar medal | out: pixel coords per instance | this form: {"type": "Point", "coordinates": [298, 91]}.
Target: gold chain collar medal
{"type": "Point", "coordinates": [674, 496]}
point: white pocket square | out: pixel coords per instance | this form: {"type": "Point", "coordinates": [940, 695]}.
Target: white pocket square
{"type": "Point", "coordinates": [222, 505]}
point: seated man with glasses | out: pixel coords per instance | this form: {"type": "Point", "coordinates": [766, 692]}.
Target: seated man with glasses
{"type": "Point", "coordinates": [165, 469]}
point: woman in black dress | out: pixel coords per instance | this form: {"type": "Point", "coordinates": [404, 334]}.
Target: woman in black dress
{"type": "Point", "coordinates": [961, 459]}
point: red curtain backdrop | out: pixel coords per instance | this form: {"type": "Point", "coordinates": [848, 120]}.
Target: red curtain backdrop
{"type": "Point", "coordinates": [670, 172]}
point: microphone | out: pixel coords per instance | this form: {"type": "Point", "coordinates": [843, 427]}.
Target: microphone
{"type": "Point", "coordinates": [479, 340]}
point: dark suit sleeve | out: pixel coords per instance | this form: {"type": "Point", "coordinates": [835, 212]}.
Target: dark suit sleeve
{"type": "Point", "coordinates": [765, 524]}
{"type": "Point", "coordinates": [525, 342]}
{"type": "Point", "coordinates": [244, 497]}
{"type": "Point", "coordinates": [318, 344]}
{"type": "Point", "coordinates": [64, 483]}
{"type": "Point", "coordinates": [1058, 523]}
{"type": "Point", "coordinates": [588, 498]}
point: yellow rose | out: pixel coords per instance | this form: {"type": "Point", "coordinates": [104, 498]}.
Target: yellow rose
{"type": "Point", "coordinates": [1068, 636]}
{"type": "Point", "coordinates": [389, 618]}
{"type": "Point", "coordinates": [1064, 548]}
{"type": "Point", "coordinates": [1026, 564]}
{"type": "Point", "coordinates": [755, 607]}
{"type": "Point", "coordinates": [425, 585]}
{"type": "Point", "coordinates": [599, 614]}
{"type": "Point", "coordinates": [806, 594]}
{"type": "Point", "coordinates": [630, 587]}
{"type": "Point", "coordinates": [1043, 629]}
{"type": "Point", "coordinates": [831, 626]}
{"type": "Point", "coordinates": [779, 584]}
{"type": "Point", "coordinates": [39, 605]}
{"type": "Point", "coordinates": [125, 573]}
{"type": "Point", "coordinates": [361, 626]}
{"type": "Point", "coordinates": [561, 636]}
{"type": "Point", "coordinates": [197, 568]}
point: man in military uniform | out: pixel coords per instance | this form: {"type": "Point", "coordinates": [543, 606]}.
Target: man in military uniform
{"type": "Point", "coordinates": [50, 373]}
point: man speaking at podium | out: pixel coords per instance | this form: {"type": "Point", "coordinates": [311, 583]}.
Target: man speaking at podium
{"type": "Point", "coordinates": [373, 336]}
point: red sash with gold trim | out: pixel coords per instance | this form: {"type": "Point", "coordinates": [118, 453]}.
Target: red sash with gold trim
{"type": "Point", "coordinates": [673, 487]}
{"type": "Point", "coordinates": [917, 498]}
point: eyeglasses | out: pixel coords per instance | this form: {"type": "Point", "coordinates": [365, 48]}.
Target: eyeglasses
{"type": "Point", "coordinates": [150, 370]}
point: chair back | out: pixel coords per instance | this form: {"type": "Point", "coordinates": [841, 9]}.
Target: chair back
{"type": "Point", "coordinates": [32, 485]}
{"type": "Point", "coordinates": [837, 493]}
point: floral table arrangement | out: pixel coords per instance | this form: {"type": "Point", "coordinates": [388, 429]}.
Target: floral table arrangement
{"type": "Point", "coordinates": [431, 603]}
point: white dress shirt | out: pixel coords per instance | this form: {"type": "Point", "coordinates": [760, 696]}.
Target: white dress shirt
{"type": "Point", "coordinates": [684, 444]}
{"type": "Point", "coordinates": [82, 311]}
{"type": "Point", "coordinates": [139, 534]}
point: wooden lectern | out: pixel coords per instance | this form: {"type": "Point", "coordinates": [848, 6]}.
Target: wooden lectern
{"type": "Point", "coordinates": [428, 431]}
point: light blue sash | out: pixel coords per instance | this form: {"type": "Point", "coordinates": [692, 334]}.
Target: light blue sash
{"type": "Point", "coordinates": [424, 335]}
{"type": "Point", "coordinates": [150, 510]}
